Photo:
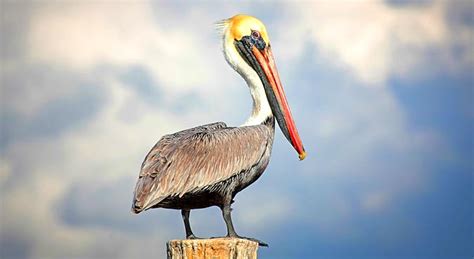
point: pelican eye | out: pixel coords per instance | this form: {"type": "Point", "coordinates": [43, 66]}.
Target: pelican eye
{"type": "Point", "coordinates": [256, 34]}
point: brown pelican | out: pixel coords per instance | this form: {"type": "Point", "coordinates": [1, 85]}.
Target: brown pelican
{"type": "Point", "coordinates": [208, 165]}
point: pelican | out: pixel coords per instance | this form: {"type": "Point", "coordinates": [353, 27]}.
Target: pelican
{"type": "Point", "coordinates": [208, 165]}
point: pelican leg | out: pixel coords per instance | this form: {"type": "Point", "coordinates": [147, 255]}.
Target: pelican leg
{"type": "Point", "coordinates": [187, 225]}
{"type": "Point", "coordinates": [226, 211]}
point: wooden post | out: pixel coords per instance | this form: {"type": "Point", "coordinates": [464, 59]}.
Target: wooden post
{"type": "Point", "coordinates": [215, 248]}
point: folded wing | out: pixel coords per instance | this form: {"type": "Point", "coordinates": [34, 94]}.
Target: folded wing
{"type": "Point", "coordinates": [190, 160]}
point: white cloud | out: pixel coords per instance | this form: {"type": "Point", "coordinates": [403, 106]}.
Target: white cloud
{"type": "Point", "coordinates": [5, 170]}
{"type": "Point", "coordinates": [374, 40]}
{"type": "Point", "coordinates": [86, 35]}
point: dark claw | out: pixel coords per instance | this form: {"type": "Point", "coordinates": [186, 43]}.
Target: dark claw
{"type": "Point", "coordinates": [260, 243]}
{"type": "Point", "coordinates": [193, 237]}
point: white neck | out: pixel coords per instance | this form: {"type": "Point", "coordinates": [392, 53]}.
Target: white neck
{"type": "Point", "coordinates": [261, 109]}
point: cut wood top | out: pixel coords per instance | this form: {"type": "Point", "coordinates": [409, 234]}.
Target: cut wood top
{"type": "Point", "coordinates": [214, 248]}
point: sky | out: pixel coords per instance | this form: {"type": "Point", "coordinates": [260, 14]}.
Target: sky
{"type": "Point", "coordinates": [381, 92]}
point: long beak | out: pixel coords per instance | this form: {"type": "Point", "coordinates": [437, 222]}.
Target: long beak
{"type": "Point", "coordinates": [264, 64]}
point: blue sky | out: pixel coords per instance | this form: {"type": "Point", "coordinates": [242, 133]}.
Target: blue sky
{"type": "Point", "coordinates": [381, 92]}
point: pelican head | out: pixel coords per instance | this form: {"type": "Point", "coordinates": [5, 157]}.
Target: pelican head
{"type": "Point", "coordinates": [247, 49]}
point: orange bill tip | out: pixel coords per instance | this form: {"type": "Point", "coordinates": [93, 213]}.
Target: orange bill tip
{"type": "Point", "coordinates": [302, 155]}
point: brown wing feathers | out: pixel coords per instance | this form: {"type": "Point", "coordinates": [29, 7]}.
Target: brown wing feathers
{"type": "Point", "coordinates": [193, 159]}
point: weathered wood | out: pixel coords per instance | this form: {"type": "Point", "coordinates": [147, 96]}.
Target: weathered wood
{"type": "Point", "coordinates": [216, 248]}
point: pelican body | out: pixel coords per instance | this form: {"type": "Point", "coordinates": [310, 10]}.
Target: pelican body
{"type": "Point", "coordinates": [208, 165]}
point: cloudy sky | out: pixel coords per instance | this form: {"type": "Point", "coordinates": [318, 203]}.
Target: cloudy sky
{"type": "Point", "coordinates": [382, 93]}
